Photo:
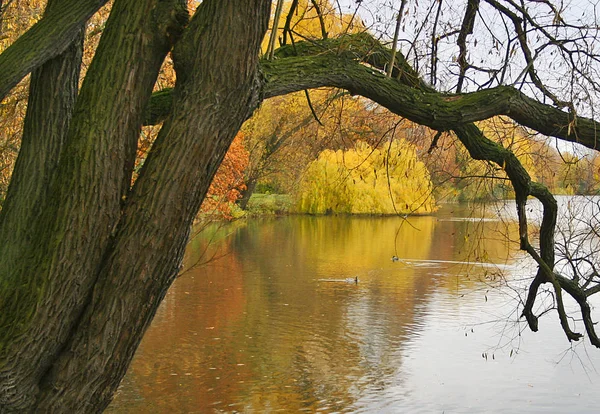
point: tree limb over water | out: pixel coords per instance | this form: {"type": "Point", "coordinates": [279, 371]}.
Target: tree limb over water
{"type": "Point", "coordinates": [356, 63]}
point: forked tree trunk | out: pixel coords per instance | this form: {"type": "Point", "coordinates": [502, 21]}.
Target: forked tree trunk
{"type": "Point", "coordinates": [216, 91]}
{"type": "Point", "coordinates": [46, 280]}
{"type": "Point", "coordinates": [79, 295]}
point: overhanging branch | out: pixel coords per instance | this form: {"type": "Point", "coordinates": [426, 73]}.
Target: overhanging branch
{"type": "Point", "coordinates": [352, 63]}
{"type": "Point", "coordinates": [355, 63]}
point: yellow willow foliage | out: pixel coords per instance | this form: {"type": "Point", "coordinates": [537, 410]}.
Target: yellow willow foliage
{"type": "Point", "coordinates": [364, 180]}
{"type": "Point", "coordinates": [283, 135]}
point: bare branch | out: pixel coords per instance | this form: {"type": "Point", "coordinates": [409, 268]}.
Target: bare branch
{"type": "Point", "coordinates": [465, 30]}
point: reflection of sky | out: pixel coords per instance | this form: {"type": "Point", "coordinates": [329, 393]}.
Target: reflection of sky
{"type": "Point", "coordinates": [260, 330]}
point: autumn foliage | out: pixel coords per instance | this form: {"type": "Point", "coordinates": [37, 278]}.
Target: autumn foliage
{"type": "Point", "coordinates": [366, 180]}
{"type": "Point", "coordinates": [228, 182]}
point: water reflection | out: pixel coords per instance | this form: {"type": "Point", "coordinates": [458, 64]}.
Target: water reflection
{"type": "Point", "coordinates": [262, 329]}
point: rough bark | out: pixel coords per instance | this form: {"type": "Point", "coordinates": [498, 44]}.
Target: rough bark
{"type": "Point", "coordinates": [52, 94]}
{"type": "Point", "coordinates": [47, 38]}
{"type": "Point", "coordinates": [44, 290]}
{"type": "Point", "coordinates": [215, 93]}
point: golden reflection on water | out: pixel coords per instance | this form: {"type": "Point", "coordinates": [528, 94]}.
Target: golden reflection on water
{"type": "Point", "coordinates": [271, 324]}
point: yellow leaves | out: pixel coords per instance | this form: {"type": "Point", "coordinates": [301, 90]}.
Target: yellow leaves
{"type": "Point", "coordinates": [306, 23]}
{"type": "Point", "coordinates": [17, 17]}
{"type": "Point", "coordinates": [367, 180]}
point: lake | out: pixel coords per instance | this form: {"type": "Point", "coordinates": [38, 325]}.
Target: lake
{"type": "Point", "coordinates": [276, 322]}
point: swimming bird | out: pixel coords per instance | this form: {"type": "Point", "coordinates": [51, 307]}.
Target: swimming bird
{"type": "Point", "coordinates": [395, 259]}
{"type": "Point", "coordinates": [352, 279]}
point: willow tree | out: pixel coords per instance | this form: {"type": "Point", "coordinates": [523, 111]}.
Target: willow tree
{"type": "Point", "coordinates": [86, 257]}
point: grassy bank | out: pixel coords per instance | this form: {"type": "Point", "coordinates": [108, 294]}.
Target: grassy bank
{"type": "Point", "coordinates": [269, 204]}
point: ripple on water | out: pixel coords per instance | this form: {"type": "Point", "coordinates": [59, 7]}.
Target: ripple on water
{"type": "Point", "coordinates": [259, 332]}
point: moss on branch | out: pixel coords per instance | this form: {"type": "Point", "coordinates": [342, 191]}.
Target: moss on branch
{"type": "Point", "coordinates": [356, 63]}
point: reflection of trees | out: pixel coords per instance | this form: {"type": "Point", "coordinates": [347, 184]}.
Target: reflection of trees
{"type": "Point", "coordinates": [477, 237]}
{"type": "Point", "coordinates": [188, 355]}
{"type": "Point", "coordinates": [303, 343]}
{"type": "Point", "coordinates": [342, 336]}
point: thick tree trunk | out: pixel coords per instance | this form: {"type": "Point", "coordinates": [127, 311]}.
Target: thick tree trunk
{"type": "Point", "coordinates": [43, 291]}
{"type": "Point", "coordinates": [52, 93]}
{"type": "Point", "coordinates": [217, 89]}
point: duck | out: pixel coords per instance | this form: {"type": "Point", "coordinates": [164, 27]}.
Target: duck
{"type": "Point", "coordinates": [395, 259]}
{"type": "Point", "coordinates": [352, 280]}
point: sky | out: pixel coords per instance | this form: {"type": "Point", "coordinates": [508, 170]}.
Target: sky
{"type": "Point", "coordinates": [491, 44]}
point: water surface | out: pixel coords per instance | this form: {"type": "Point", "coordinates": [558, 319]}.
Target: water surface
{"type": "Point", "coordinates": [276, 323]}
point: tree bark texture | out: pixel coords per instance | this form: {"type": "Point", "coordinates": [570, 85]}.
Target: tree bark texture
{"type": "Point", "coordinates": [82, 367]}
{"type": "Point", "coordinates": [53, 85]}
{"type": "Point", "coordinates": [45, 288]}
{"type": "Point", "coordinates": [49, 37]}
{"type": "Point", "coordinates": [165, 199]}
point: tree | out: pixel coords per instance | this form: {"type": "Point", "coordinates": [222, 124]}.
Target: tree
{"type": "Point", "coordinates": [86, 257]}
{"type": "Point", "coordinates": [97, 158]}
{"type": "Point", "coordinates": [228, 182]}
{"type": "Point", "coordinates": [284, 135]}
{"type": "Point", "coordinates": [366, 180]}
{"type": "Point", "coordinates": [278, 133]}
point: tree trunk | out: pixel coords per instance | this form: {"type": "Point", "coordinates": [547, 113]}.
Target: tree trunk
{"type": "Point", "coordinates": [45, 288]}
{"type": "Point", "coordinates": [52, 93]}
{"type": "Point", "coordinates": [146, 251]}
{"type": "Point", "coordinates": [47, 38]}
{"type": "Point", "coordinates": [247, 193]}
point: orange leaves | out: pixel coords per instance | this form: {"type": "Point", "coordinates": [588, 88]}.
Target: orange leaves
{"type": "Point", "coordinates": [228, 182]}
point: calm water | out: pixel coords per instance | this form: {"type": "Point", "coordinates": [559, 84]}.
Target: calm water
{"type": "Point", "coordinates": [272, 325]}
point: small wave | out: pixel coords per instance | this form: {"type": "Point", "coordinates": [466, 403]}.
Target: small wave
{"type": "Point", "coordinates": [436, 263]}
